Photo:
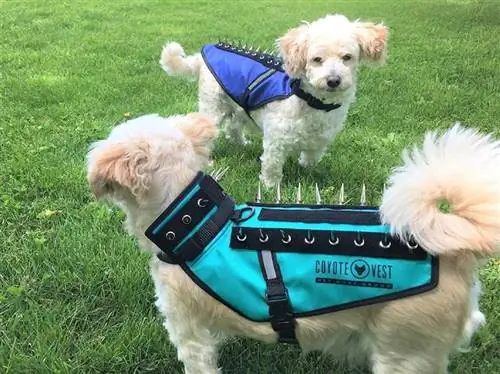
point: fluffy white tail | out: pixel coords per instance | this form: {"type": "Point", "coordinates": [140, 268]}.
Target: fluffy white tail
{"type": "Point", "coordinates": [175, 62]}
{"type": "Point", "coordinates": [447, 193]}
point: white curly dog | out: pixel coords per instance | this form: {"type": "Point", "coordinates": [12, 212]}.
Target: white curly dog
{"type": "Point", "coordinates": [145, 164]}
{"type": "Point", "coordinates": [323, 56]}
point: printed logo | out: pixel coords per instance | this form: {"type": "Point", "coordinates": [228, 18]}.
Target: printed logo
{"type": "Point", "coordinates": [360, 269]}
{"type": "Point", "coordinates": [354, 273]}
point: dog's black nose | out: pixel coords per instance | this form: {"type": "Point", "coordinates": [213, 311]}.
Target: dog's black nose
{"type": "Point", "coordinates": [333, 82]}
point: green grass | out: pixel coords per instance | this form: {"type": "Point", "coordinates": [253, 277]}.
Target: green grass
{"type": "Point", "coordinates": [75, 294]}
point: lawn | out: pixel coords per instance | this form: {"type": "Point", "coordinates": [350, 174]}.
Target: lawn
{"type": "Point", "coordinates": [75, 294]}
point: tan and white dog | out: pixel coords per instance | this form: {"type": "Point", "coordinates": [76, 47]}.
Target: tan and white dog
{"type": "Point", "coordinates": [145, 163]}
{"type": "Point", "coordinates": [324, 55]}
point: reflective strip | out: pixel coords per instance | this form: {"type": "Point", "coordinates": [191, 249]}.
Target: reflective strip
{"type": "Point", "coordinates": [260, 78]}
{"type": "Point", "coordinates": [267, 259]}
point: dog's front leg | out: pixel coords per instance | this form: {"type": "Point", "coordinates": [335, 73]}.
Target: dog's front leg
{"type": "Point", "coordinates": [196, 346]}
{"type": "Point", "coordinates": [273, 158]}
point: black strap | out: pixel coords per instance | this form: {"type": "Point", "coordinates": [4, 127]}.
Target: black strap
{"type": "Point", "coordinates": [312, 101]}
{"type": "Point", "coordinates": [190, 249]}
{"type": "Point", "coordinates": [280, 310]}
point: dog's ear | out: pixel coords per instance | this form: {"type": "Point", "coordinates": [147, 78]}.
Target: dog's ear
{"type": "Point", "coordinates": [293, 49]}
{"type": "Point", "coordinates": [372, 40]}
{"type": "Point", "coordinates": [112, 167]}
{"type": "Point", "coordinates": [201, 131]}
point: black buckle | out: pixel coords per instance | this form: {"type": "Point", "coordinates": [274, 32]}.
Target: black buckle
{"type": "Point", "coordinates": [282, 320]}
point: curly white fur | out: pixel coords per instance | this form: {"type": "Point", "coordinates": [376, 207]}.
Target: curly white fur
{"type": "Point", "coordinates": [146, 162]}
{"type": "Point", "coordinates": [460, 169]}
{"type": "Point", "coordinates": [327, 49]}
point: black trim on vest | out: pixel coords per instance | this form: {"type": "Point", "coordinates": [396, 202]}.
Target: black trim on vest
{"type": "Point", "coordinates": [311, 100]}
{"type": "Point", "coordinates": [348, 243]}
{"type": "Point", "coordinates": [280, 310]}
{"type": "Point", "coordinates": [367, 218]}
{"type": "Point", "coordinates": [266, 59]}
{"type": "Point", "coordinates": [313, 206]}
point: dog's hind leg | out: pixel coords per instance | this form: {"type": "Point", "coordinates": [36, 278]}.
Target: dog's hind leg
{"type": "Point", "coordinates": [406, 357]}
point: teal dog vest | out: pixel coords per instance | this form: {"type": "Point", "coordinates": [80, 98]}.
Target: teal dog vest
{"type": "Point", "coordinates": [275, 263]}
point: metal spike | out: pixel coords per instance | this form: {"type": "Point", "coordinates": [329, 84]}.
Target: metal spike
{"type": "Point", "coordinates": [278, 193]}
{"type": "Point", "coordinates": [299, 195]}
{"type": "Point", "coordinates": [219, 173]}
{"type": "Point", "coordinates": [362, 200]}
{"type": "Point", "coordinates": [258, 198]}
{"type": "Point", "coordinates": [318, 196]}
{"type": "Point", "coordinates": [341, 195]}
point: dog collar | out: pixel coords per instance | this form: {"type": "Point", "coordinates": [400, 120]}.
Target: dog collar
{"type": "Point", "coordinates": [311, 100]}
{"type": "Point", "coordinates": [191, 221]}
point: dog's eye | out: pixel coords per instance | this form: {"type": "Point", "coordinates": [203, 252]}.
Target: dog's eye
{"type": "Point", "coordinates": [346, 57]}
{"type": "Point", "coordinates": [317, 59]}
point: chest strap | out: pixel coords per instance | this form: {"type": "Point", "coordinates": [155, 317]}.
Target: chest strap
{"type": "Point", "coordinates": [280, 310]}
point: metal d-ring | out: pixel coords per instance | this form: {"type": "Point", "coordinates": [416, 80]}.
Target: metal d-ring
{"type": "Point", "coordinates": [287, 239]}
{"type": "Point", "coordinates": [333, 240]}
{"type": "Point", "coordinates": [202, 203]}
{"type": "Point", "coordinates": [240, 236]}
{"type": "Point", "coordinates": [309, 239]}
{"type": "Point", "coordinates": [359, 241]}
{"type": "Point", "coordinates": [412, 246]}
{"type": "Point", "coordinates": [263, 238]}
{"type": "Point", "coordinates": [170, 235]}
{"type": "Point", "coordinates": [385, 243]}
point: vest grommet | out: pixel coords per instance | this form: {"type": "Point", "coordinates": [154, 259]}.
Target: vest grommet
{"type": "Point", "coordinates": [359, 243]}
{"type": "Point", "coordinates": [170, 235]}
{"type": "Point", "coordinates": [412, 246]}
{"type": "Point", "coordinates": [384, 245]}
{"type": "Point", "coordinates": [285, 239]}
{"type": "Point", "coordinates": [202, 203]}
{"type": "Point", "coordinates": [309, 239]}
{"type": "Point", "coordinates": [333, 240]}
{"type": "Point", "coordinates": [264, 239]}
{"type": "Point", "coordinates": [186, 219]}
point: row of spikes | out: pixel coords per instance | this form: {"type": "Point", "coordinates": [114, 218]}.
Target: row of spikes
{"type": "Point", "coordinates": [243, 46]}
{"type": "Point", "coordinates": [298, 199]}
{"type": "Point", "coordinates": [219, 173]}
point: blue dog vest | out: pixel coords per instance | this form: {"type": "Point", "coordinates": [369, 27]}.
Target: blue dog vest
{"type": "Point", "coordinates": [253, 79]}
{"type": "Point", "coordinates": [271, 262]}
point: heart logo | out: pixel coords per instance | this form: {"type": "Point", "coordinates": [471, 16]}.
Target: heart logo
{"type": "Point", "coordinates": [360, 269]}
